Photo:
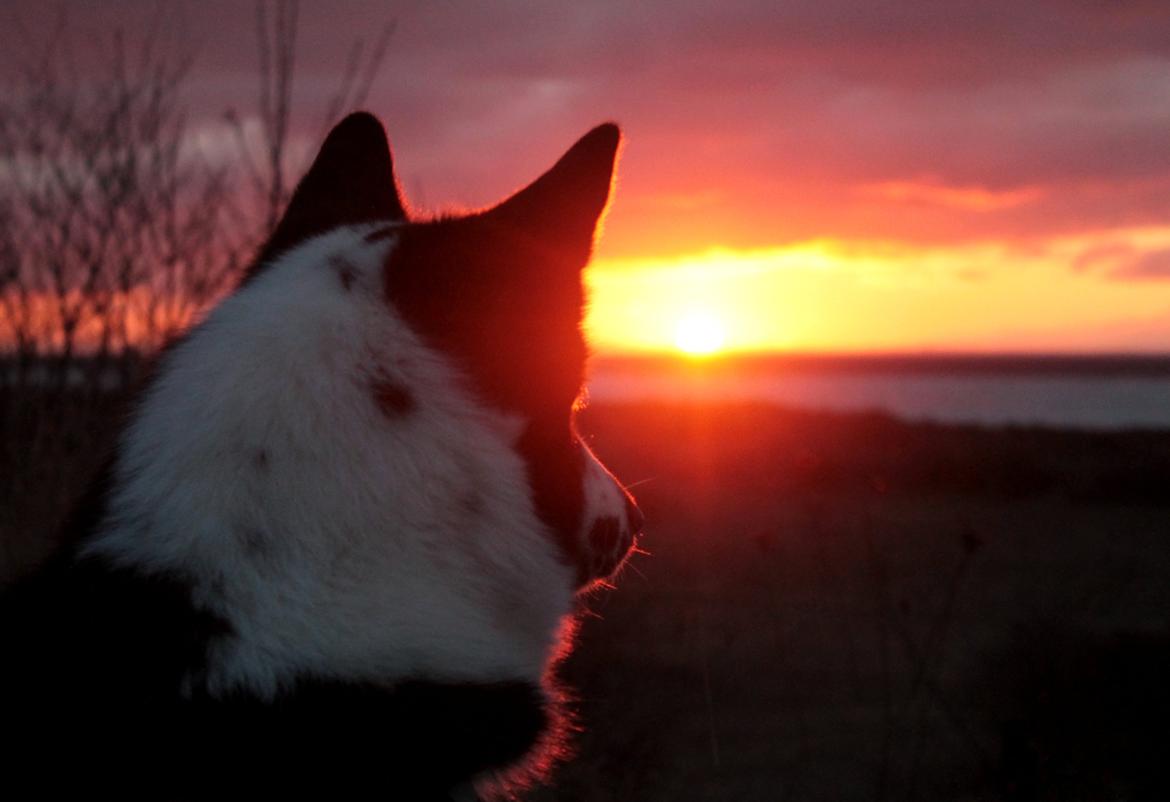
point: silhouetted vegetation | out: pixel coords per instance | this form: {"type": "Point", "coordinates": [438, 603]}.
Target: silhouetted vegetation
{"type": "Point", "coordinates": [118, 228]}
{"type": "Point", "coordinates": [117, 225]}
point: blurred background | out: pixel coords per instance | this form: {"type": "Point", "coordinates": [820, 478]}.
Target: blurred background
{"type": "Point", "coordinates": [881, 327]}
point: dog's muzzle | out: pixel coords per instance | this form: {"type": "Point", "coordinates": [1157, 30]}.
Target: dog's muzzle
{"type": "Point", "coordinates": [610, 541]}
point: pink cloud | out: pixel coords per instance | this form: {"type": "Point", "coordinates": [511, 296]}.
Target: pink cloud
{"type": "Point", "coordinates": [1148, 266]}
{"type": "Point", "coordinates": [759, 119]}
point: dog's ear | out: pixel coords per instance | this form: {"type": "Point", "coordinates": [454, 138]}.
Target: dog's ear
{"type": "Point", "coordinates": [351, 181]}
{"type": "Point", "coordinates": [558, 213]}
{"type": "Point", "coordinates": [501, 290]}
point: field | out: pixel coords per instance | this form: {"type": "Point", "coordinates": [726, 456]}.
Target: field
{"type": "Point", "coordinates": [832, 607]}
{"type": "Point", "coordinates": [848, 607]}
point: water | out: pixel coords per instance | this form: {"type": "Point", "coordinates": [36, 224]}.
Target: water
{"type": "Point", "coordinates": [1073, 392]}
{"type": "Point", "coordinates": [1101, 395]}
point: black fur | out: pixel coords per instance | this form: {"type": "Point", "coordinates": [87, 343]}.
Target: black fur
{"type": "Point", "coordinates": [381, 233]}
{"type": "Point", "coordinates": [393, 400]}
{"type": "Point", "coordinates": [351, 182]}
{"type": "Point", "coordinates": [92, 687]}
{"type": "Point", "coordinates": [501, 292]}
{"type": "Point", "coordinates": [555, 465]}
{"type": "Point", "coordinates": [346, 274]}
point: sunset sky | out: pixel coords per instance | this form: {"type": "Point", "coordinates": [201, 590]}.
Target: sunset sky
{"type": "Point", "coordinates": [830, 175]}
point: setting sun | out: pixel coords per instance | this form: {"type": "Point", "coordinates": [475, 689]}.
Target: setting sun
{"type": "Point", "coordinates": [826, 295]}
{"type": "Point", "coordinates": [698, 334]}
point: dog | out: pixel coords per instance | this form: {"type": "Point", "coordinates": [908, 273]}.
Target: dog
{"type": "Point", "coordinates": [342, 535]}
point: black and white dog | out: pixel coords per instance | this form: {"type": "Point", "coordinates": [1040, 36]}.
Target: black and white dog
{"type": "Point", "coordinates": [341, 538]}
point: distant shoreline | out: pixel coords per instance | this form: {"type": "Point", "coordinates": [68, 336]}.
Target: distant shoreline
{"type": "Point", "coordinates": [1120, 365]}
{"type": "Point", "coordinates": [1103, 365]}
{"type": "Point", "coordinates": [1078, 392]}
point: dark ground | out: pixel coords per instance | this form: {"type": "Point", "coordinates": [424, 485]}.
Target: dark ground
{"type": "Point", "coordinates": [834, 607]}
{"type": "Point", "coordinates": [847, 607]}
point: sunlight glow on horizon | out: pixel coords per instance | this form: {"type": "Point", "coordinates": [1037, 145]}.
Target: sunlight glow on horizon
{"type": "Point", "coordinates": [826, 295]}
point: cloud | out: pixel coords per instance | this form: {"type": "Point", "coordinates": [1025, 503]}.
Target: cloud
{"type": "Point", "coordinates": [1031, 119]}
{"type": "Point", "coordinates": [929, 193]}
{"type": "Point", "coordinates": [1148, 266]}
{"type": "Point", "coordinates": [1106, 254]}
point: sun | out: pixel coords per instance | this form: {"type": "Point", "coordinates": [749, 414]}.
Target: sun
{"type": "Point", "coordinates": [698, 334]}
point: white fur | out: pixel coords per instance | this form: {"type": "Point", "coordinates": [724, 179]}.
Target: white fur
{"type": "Point", "coordinates": [337, 541]}
{"type": "Point", "coordinates": [604, 496]}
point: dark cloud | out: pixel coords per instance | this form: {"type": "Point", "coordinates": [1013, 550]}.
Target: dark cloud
{"type": "Point", "coordinates": [749, 123]}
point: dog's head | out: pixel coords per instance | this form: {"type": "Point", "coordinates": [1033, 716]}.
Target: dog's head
{"type": "Point", "coordinates": [365, 457]}
{"type": "Point", "coordinates": [499, 294]}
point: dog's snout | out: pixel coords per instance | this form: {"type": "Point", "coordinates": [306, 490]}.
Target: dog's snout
{"type": "Point", "coordinates": [634, 516]}
{"type": "Point", "coordinates": [612, 524]}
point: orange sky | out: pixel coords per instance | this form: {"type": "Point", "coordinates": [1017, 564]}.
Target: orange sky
{"type": "Point", "coordinates": [830, 175]}
{"type": "Point", "coordinates": [830, 295]}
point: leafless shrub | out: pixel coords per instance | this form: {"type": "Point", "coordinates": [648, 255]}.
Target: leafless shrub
{"type": "Point", "coordinates": [114, 226]}
{"type": "Point", "coordinates": [117, 229]}
{"type": "Point", "coordinates": [268, 163]}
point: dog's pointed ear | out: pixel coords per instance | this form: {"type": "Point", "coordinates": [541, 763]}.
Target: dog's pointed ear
{"type": "Point", "coordinates": [350, 182]}
{"type": "Point", "coordinates": [501, 290]}
{"type": "Point", "coordinates": [560, 210]}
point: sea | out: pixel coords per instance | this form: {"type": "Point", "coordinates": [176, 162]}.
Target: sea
{"type": "Point", "coordinates": [1094, 392]}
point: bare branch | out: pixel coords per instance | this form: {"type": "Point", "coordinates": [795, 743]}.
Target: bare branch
{"type": "Point", "coordinates": [112, 235]}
